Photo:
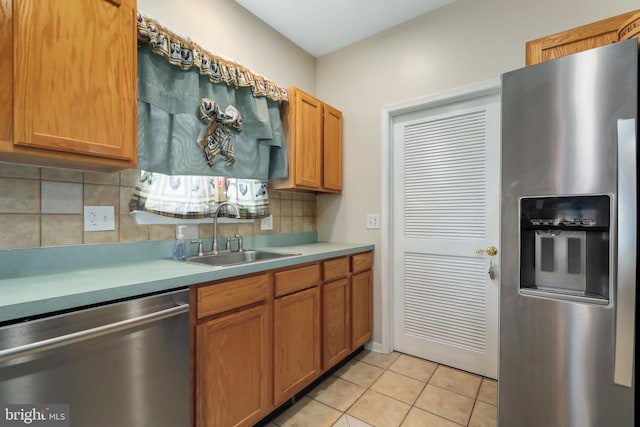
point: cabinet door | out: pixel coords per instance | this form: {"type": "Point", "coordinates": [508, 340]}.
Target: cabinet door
{"type": "Point", "coordinates": [296, 342]}
{"type": "Point", "coordinates": [332, 139]}
{"type": "Point", "coordinates": [6, 73]}
{"type": "Point", "coordinates": [75, 77]}
{"type": "Point", "coordinates": [336, 333]}
{"type": "Point", "coordinates": [575, 40]}
{"type": "Point", "coordinates": [233, 369]}
{"type": "Point", "coordinates": [308, 141]}
{"type": "Point", "coordinates": [313, 132]}
{"type": "Point", "coordinates": [361, 308]}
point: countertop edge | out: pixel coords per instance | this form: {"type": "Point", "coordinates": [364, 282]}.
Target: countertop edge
{"type": "Point", "coordinates": [125, 280]}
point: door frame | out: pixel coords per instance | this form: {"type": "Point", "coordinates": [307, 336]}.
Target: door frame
{"type": "Point", "coordinates": [388, 114]}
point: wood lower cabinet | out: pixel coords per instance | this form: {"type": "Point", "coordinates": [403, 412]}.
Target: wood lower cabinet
{"type": "Point", "coordinates": [233, 351]}
{"type": "Point", "coordinates": [361, 309]}
{"type": "Point", "coordinates": [361, 299]}
{"type": "Point", "coordinates": [69, 89]}
{"type": "Point", "coordinates": [258, 340]}
{"type": "Point", "coordinates": [336, 321]}
{"type": "Point", "coordinates": [296, 338]}
{"type": "Point", "coordinates": [576, 40]}
{"type": "Point", "coordinates": [233, 374]}
{"type": "Point", "coordinates": [336, 311]}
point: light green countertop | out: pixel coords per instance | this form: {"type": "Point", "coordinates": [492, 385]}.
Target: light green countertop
{"type": "Point", "coordinates": [33, 295]}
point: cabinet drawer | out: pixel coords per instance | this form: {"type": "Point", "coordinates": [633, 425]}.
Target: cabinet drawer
{"type": "Point", "coordinates": [335, 268]}
{"type": "Point", "coordinates": [225, 296]}
{"type": "Point", "coordinates": [296, 279]}
{"type": "Point", "coordinates": [361, 262]}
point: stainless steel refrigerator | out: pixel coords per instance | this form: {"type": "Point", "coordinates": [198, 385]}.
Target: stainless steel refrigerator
{"type": "Point", "coordinates": [569, 241]}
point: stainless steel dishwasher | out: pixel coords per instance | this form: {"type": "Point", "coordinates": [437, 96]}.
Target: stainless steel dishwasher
{"type": "Point", "coordinates": [123, 364]}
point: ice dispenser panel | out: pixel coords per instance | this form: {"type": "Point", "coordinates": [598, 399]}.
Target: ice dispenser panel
{"type": "Point", "coordinates": [565, 246]}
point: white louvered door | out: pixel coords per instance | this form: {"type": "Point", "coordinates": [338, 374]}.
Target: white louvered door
{"type": "Point", "coordinates": [446, 206]}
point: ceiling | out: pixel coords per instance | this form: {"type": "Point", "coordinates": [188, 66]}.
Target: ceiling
{"type": "Point", "coordinates": [323, 26]}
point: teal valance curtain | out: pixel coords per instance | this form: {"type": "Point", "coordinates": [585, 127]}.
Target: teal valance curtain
{"type": "Point", "coordinates": [176, 80]}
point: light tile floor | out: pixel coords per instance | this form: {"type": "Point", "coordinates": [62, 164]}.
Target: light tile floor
{"type": "Point", "coordinates": [395, 390]}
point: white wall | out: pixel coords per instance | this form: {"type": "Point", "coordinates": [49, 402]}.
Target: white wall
{"type": "Point", "coordinates": [467, 42]}
{"type": "Point", "coordinates": [226, 28]}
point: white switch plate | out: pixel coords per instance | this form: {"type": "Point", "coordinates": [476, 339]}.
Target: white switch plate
{"type": "Point", "coordinates": [266, 223]}
{"type": "Point", "coordinates": [373, 221]}
{"type": "Point", "coordinates": [99, 218]}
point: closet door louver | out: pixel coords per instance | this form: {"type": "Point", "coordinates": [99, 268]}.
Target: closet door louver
{"type": "Point", "coordinates": [445, 184]}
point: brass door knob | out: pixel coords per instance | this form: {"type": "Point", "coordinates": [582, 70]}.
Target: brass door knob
{"type": "Point", "coordinates": [491, 251]}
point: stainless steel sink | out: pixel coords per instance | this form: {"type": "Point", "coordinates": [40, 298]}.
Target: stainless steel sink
{"type": "Point", "coordinates": [235, 258]}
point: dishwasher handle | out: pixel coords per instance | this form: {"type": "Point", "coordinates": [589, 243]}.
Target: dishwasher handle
{"type": "Point", "coordinates": [87, 334]}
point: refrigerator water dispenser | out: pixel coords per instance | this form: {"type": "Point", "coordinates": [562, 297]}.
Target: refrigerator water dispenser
{"type": "Point", "coordinates": [565, 247]}
{"type": "Point", "coordinates": [561, 258]}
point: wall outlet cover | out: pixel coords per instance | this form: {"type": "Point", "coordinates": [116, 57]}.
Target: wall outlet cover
{"type": "Point", "coordinates": [266, 223]}
{"type": "Point", "coordinates": [373, 221]}
{"type": "Point", "coordinates": [99, 218]}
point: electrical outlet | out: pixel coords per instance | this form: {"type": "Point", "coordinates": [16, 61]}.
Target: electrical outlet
{"type": "Point", "coordinates": [266, 223]}
{"type": "Point", "coordinates": [373, 221]}
{"type": "Point", "coordinates": [99, 218]}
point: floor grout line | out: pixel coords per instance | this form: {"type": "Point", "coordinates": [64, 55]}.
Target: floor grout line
{"type": "Point", "coordinates": [410, 405]}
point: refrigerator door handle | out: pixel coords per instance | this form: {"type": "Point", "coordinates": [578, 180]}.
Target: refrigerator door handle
{"type": "Point", "coordinates": [626, 253]}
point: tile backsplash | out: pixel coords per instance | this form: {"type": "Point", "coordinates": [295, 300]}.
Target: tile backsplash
{"type": "Point", "coordinates": [44, 207]}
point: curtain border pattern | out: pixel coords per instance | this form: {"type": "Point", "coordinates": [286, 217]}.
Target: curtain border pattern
{"type": "Point", "coordinates": [186, 54]}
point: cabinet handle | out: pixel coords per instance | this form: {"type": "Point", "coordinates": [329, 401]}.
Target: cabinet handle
{"type": "Point", "coordinates": [116, 3]}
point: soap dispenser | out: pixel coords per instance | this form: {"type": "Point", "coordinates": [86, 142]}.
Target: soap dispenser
{"type": "Point", "coordinates": [180, 249]}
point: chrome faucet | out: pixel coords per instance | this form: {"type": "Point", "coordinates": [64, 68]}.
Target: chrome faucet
{"type": "Point", "coordinates": [237, 238]}
{"type": "Point", "coordinates": [214, 245]}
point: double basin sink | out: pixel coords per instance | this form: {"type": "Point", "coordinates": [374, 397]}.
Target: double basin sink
{"type": "Point", "coordinates": [225, 259]}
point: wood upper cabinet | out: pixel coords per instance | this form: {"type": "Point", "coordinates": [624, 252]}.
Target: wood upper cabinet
{"type": "Point", "coordinates": [332, 154]}
{"type": "Point", "coordinates": [72, 83]}
{"type": "Point", "coordinates": [233, 352]}
{"type": "Point", "coordinates": [575, 40]}
{"type": "Point", "coordinates": [307, 141]}
{"type": "Point", "coordinates": [313, 132]}
{"type": "Point", "coordinates": [296, 338]}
